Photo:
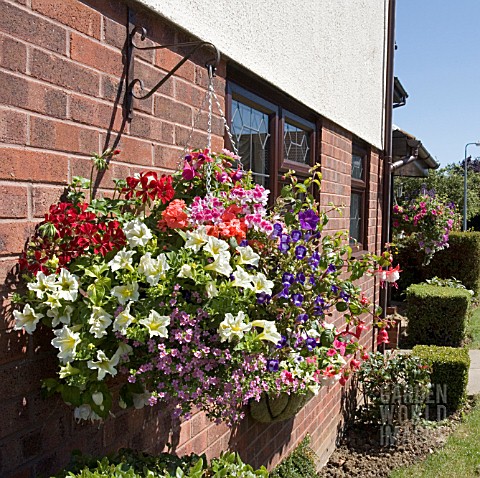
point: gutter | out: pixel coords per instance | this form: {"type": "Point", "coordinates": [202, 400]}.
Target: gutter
{"type": "Point", "coordinates": [387, 154]}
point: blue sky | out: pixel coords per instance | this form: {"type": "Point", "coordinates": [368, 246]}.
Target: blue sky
{"type": "Point", "coordinates": [438, 63]}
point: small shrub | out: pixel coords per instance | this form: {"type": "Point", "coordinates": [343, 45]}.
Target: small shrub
{"type": "Point", "coordinates": [231, 465]}
{"type": "Point", "coordinates": [449, 377]}
{"type": "Point", "coordinates": [437, 315]}
{"type": "Point", "coordinates": [299, 464]}
{"type": "Point", "coordinates": [395, 387]}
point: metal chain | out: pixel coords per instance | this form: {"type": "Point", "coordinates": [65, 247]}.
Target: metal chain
{"type": "Point", "coordinates": [209, 127]}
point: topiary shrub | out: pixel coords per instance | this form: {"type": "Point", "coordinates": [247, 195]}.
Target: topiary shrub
{"type": "Point", "coordinates": [299, 464]}
{"type": "Point", "coordinates": [449, 378]}
{"type": "Point", "coordinates": [437, 315]}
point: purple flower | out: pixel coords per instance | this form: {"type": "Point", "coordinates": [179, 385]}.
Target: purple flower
{"type": "Point", "coordinates": [302, 318]}
{"type": "Point", "coordinates": [297, 299]}
{"type": "Point", "coordinates": [308, 220]}
{"type": "Point", "coordinates": [282, 342]}
{"type": "Point", "coordinates": [283, 247]}
{"type": "Point", "coordinates": [300, 252]}
{"type": "Point", "coordinates": [287, 278]}
{"type": "Point", "coordinates": [314, 260]}
{"type": "Point", "coordinates": [334, 289]}
{"type": "Point", "coordinates": [285, 293]}
{"type": "Point", "coordinates": [331, 269]}
{"type": "Point", "coordinates": [345, 296]}
{"type": "Point", "coordinates": [312, 280]}
{"type": "Point", "coordinates": [296, 235]}
{"type": "Point", "coordinates": [244, 243]}
{"type": "Point", "coordinates": [272, 365]}
{"type": "Point", "coordinates": [301, 278]}
{"type": "Point", "coordinates": [277, 230]}
{"type": "Point", "coordinates": [263, 297]}
{"type": "Point", "coordinates": [311, 343]}
{"type": "Point", "coordinates": [237, 175]}
{"type": "Point", "coordinates": [285, 238]}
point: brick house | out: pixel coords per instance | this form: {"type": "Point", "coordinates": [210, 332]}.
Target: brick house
{"type": "Point", "coordinates": [318, 89]}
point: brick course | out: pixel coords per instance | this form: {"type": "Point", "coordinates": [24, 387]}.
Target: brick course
{"type": "Point", "coordinates": [61, 72]}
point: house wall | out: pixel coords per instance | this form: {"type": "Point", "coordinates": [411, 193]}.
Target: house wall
{"type": "Point", "coordinates": [328, 54]}
{"type": "Point", "coordinates": [62, 84]}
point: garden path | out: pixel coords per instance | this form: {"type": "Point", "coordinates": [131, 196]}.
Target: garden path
{"type": "Point", "coordinates": [474, 372]}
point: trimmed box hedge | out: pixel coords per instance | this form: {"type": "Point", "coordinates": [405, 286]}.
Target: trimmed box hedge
{"type": "Point", "coordinates": [460, 260]}
{"type": "Point", "coordinates": [449, 377]}
{"type": "Point", "coordinates": [437, 315]}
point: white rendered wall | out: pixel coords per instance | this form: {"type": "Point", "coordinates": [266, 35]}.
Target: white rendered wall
{"type": "Point", "coordinates": [328, 54]}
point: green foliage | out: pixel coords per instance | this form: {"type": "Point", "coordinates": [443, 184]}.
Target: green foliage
{"type": "Point", "coordinates": [461, 260]}
{"type": "Point", "coordinates": [299, 464]}
{"type": "Point", "coordinates": [134, 464]}
{"type": "Point", "coordinates": [437, 315]}
{"type": "Point", "coordinates": [450, 369]}
{"type": "Point", "coordinates": [452, 283]}
{"type": "Point", "coordinates": [392, 385]}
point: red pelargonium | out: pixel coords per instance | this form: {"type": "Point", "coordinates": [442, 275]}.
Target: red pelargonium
{"type": "Point", "coordinates": [148, 186]}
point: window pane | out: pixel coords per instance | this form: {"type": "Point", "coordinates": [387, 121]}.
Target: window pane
{"type": "Point", "coordinates": [357, 166]}
{"type": "Point", "coordinates": [296, 144]}
{"type": "Point", "coordinates": [356, 216]}
{"type": "Point", "coordinates": [250, 129]}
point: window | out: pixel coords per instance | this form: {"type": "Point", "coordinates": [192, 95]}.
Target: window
{"type": "Point", "coordinates": [270, 138]}
{"type": "Point", "coordinates": [359, 197]}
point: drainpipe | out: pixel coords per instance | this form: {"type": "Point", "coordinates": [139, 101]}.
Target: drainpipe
{"type": "Point", "coordinates": [387, 159]}
{"type": "Point", "coordinates": [402, 162]}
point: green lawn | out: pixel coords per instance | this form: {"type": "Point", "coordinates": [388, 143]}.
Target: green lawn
{"type": "Point", "coordinates": [460, 457]}
{"type": "Point", "coordinates": [473, 329]}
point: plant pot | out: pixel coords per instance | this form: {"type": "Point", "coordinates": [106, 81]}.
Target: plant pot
{"type": "Point", "coordinates": [277, 408]}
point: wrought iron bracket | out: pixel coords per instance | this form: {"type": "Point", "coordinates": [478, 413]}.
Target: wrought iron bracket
{"type": "Point", "coordinates": [132, 82]}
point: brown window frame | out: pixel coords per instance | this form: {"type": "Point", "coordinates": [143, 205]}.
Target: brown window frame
{"type": "Point", "coordinates": [243, 88]}
{"type": "Point", "coordinates": [361, 187]}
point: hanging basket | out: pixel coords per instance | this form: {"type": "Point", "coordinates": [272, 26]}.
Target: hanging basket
{"type": "Point", "coordinates": [277, 408]}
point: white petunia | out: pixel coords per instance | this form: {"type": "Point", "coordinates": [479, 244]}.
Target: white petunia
{"type": "Point", "coordinates": [153, 269]}
{"type": "Point", "coordinates": [123, 350]}
{"type": "Point", "coordinates": [122, 260]}
{"type": "Point", "coordinates": [216, 247]}
{"type": "Point", "coordinates": [270, 331]}
{"type": "Point", "coordinates": [125, 293]}
{"type": "Point", "coordinates": [221, 264]}
{"type": "Point", "coordinates": [196, 239]}
{"type": "Point", "coordinates": [137, 233]}
{"type": "Point", "coordinates": [262, 284]}
{"type": "Point", "coordinates": [104, 365]}
{"type": "Point", "coordinates": [247, 256]}
{"type": "Point", "coordinates": [211, 289]}
{"type": "Point", "coordinates": [233, 327]}
{"type": "Point", "coordinates": [67, 284]}
{"type": "Point", "coordinates": [66, 341]}
{"type": "Point", "coordinates": [185, 271]}
{"type": "Point", "coordinates": [242, 279]}
{"type": "Point", "coordinates": [43, 284]}
{"type": "Point", "coordinates": [99, 321]}
{"type": "Point", "coordinates": [28, 319]}
{"type": "Point", "coordinates": [68, 371]}
{"type": "Point", "coordinates": [53, 300]}
{"type": "Point", "coordinates": [60, 315]}
{"type": "Point", "coordinates": [141, 399]}
{"type": "Point", "coordinates": [123, 320]}
{"type": "Point", "coordinates": [156, 324]}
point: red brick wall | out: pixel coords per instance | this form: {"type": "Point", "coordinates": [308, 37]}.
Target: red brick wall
{"type": "Point", "coordinates": [62, 81]}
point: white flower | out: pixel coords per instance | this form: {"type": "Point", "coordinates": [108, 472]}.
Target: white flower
{"type": "Point", "coordinates": [85, 412]}
{"type": "Point", "coordinates": [97, 398]}
{"type": "Point", "coordinates": [104, 365]}
{"type": "Point", "coordinates": [68, 371]}
{"type": "Point", "coordinates": [211, 289]}
{"type": "Point", "coordinates": [221, 264]}
{"type": "Point", "coordinates": [248, 256]}
{"type": "Point", "coordinates": [156, 324]}
{"type": "Point", "coordinates": [44, 283]}
{"type": "Point", "coordinates": [137, 233]}
{"type": "Point", "coordinates": [123, 320]}
{"type": "Point", "coordinates": [66, 341]}
{"type": "Point", "coordinates": [153, 269]}
{"type": "Point", "coordinates": [126, 292]}
{"type": "Point", "coordinates": [233, 327]}
{"type": "Point", "coordinates": [270, 331]}
{"type": "Point", "coordinates": [242, 279]}
{"type": "Point", "coordinates": [123, 350]}
{"type": "Point", "coordinates": [328, 326]}
{"type": "Point", "coordinates": [216, 247]}
{"type": "Point", "coordinates": [99, 321]}
{"type": "Point", "coordinates": [262, 284]}
{"type": "Point", "coordinates": [141, 399]}
{"type": "Point", "coordinates": [60, 315]}
{"type": "Point", "coordinates": [53, 300]}
{"type": "Point", "coordinates": [185, 271]}
{"type": "Point", "coordinates": [67, 285]}
{"type": "Point", "coordinates": [196, 239]}
{"type": "Point", "coordinates": [28, 319]}
{"type": "Point", "coordinates": [122, 260]}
